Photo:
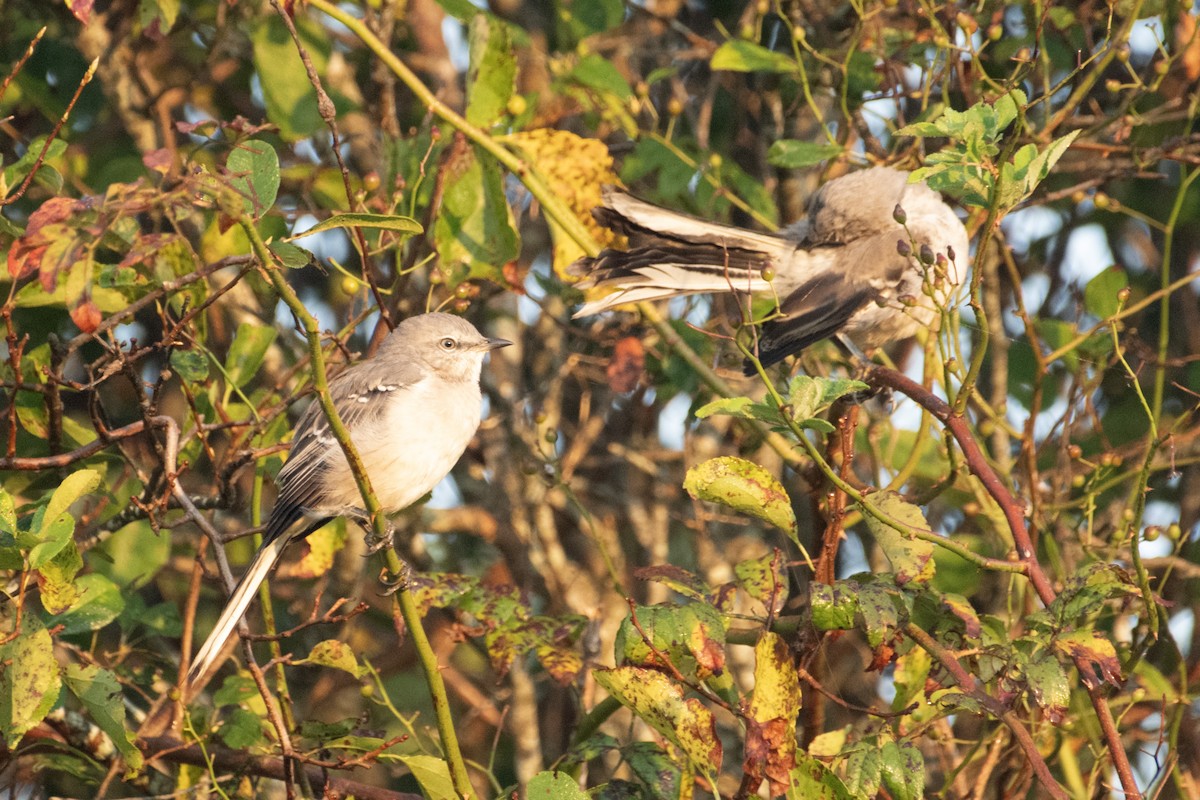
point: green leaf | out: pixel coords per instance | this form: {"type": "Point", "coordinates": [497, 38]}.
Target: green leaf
{"type": "Point", "coordinates": [864, 769]}
{"type": "Point", "coordinates": [554, 786]}
{"type": "Point", "coordinates": [741, 408]}
{"type": "Point", "coordinates": [1100, 294]}
{"type": "Point", "coordinates": [911, 558]}
{"type": "Point", "coordinates": [100, 693]}
{"type": "Point", "coordinates": [794, 154]}
{"type": "Point", "coordinates": [190, 364]}
{"type": "Point", "coordinates": [254, 173]}
{"type": "Point", "coordinates": [491, 77]}
{"type": "Point", "coordinates": [52, 538]}
{"type": "Point", "coordinates": [8, 512]}
{"type": "Point", "coordinates": [811, 779]}
{"type": "Point", "coordinates": [56, 578]}
{"type": "Point", "coordinates": [291, 256]}
{"type": "Point", "coordinates": [597, 72]}
{"type": "Point", "coordinates": [902, 770]}
{"type": "Point", "coordinates": [387, 222]}
{"type": "Point", "coordinates": [290, 99]}
{"type": "Point", "coordinates": [73, 487]}
{"type": "Point", "coordinates": [1047, 682]}
{"type": "Point", "coordinates": [739, 55]}
{"type": "Point", "coordinates": [805, 396]}
{"type": "Point", "coordinates": [246, 352]}
{"type": "Point", "coordinates": [433, 774]}
{"type": "Point", "coordinates": [764, 579]}
{"type": "Point", "coordinates": [99, 602]}
{"type": "Point", "coordinates": [332, 653]}
{"type": "Point", "coordinates": [833, 606]}
{"type": "Point", "coordinates": [582, 18]}
{"type": "Point", "coordinates": [474, 231]}
{"type": "Point", "coordinates": [692, 637]}
{"type": "Point", "coordinates": [29, 681]}
{"type": "Point", "coordinates": [743, 486]}
{"type": "Point", "coordinates": [660, 703]}
{"type": "Point", "coordinates": [242, 730]}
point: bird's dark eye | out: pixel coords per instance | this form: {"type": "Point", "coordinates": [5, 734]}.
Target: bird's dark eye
{"type": "Point", "coordinates": [448, 343]}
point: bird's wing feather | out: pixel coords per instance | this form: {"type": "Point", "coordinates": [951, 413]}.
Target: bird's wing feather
{"type": "Point", "coordinates": [816, 310]}
{"type": "Point", "coordinates": [360, 394]}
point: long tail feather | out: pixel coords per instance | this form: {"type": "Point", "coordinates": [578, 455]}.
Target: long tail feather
{"type": "Point", "coordinates": [264, 561]}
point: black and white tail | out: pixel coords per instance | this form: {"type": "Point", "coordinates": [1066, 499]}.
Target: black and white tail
{"type": "Point", "coordinates": [264, 561]}
{"type": "Point", "coordinates": [672, 254]}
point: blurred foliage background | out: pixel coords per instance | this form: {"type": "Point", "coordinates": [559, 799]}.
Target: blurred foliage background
{"type": "Point", "coordinates": [596, 626]}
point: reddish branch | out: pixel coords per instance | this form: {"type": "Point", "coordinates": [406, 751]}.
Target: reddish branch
{"type": "Point", "coordinates": [1014, 513]}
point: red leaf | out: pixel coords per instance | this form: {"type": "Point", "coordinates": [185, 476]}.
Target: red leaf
{"type": "Point", "coordinates": [159, 160]}
{"type": "Point", "coordinates": [82, 9]}
{"type": "Point", "coordinates": [625, 369]}
{"type": "Point", "coordinates": [770, 752]}
{"type": "Point", "coordinates": [86, 316]}
{"type": "Point", "coordinates": [24, 257]}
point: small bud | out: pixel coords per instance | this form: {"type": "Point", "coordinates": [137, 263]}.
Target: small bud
{"type": "Point", "coordinates": [551, 436]}
{"type": "Point", "coordinates": [950, 254]}
{"type": "Point", "coordinates": [942, 261]}
{"type": "Point", "coordinates": [1127, 515]}
{"type": "Point", "coordinates": [1074, 451]}
{"type": "Point", "coordinates": [1112, 86]}
{"type": "Point", "coordinates": [903, 248]}
{"type": "Point", "coordinates": [907, 300]}
{"type": "Point", "coordinates": [461, 306]}
{"type": "Point", "coordinates": [1151, 533]}
{"type": "Point", "coordinates": [1174, 532]}
{"type": "Point", "coordinates": [926, 254]}
{"type": "Point", "coordinates": [899, 215]}
{"type": "Point", "coordinates": [436, 277]}
{"type": "Point", "coordinates": [1101, 200]}
{"type": "Point", "coordinates": [1123, 295]}
{"type": "Point", "coordinates": [995, 32]}
{"type": "Point", "coordinates": [768, 274]}
{"type": "Point", "coordinates": [1078, 196]}
{"type": "Point", "coordinates": [462, 291]}
{"type": "Point", "coordinates": [371, 181]}
{"type": "Point", "coordinates": [762, 7]}
{"type": "Point", "coordinates": [674, 107]}
{"type": "Point", "coordinates": [1161, 67]}
{"type": "Point", "coordinates": [1077, 481]}
{"type": "Point", "coordinates": [799, 34]}
{"type": "Point", "coordinates": [715, 161]}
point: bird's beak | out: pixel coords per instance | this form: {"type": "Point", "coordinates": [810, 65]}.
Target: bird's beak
{"type": "Point", "coordinates": [494, 344]}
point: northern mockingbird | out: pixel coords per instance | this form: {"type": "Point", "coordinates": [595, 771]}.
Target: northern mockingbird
{"type": "Point", "coordinates": [411, 410]}
{"type": "Point", "coordinates": [849, 267]}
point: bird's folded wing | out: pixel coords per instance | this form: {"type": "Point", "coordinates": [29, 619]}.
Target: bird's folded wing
{"type": "Point", "coordinates": [361, 396]}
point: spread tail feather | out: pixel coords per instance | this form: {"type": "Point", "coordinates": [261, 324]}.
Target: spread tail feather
{"type": "Point", "coordinates": [264, 561]}
{"type": "Point", "coordinates": [672, 254]}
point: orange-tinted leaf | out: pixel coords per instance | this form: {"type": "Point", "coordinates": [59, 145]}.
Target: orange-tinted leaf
{"type": "Point", "coordinates": [626, 366]}
{"type": "Point", "coordinates": [1095, 649]}
{"type": "Point", "coordinates": [86, 316]}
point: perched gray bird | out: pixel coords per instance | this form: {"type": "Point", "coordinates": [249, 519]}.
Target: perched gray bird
{"type": "Point", "coordinates": [411, 410]}
{"type": "Point", "coordinates": [842, 269]}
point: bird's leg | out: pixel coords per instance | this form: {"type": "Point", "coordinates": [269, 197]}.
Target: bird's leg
{"type": "Point", "coordinates": [860, 365]}
{"type": "Point", "coordinates": [374, 543]}
{"type": "Point", "coordinates": [397, 582]}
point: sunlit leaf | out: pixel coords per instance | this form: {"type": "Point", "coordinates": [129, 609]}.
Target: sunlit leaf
{"type": "Point", "coordinates": [743, 486]}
